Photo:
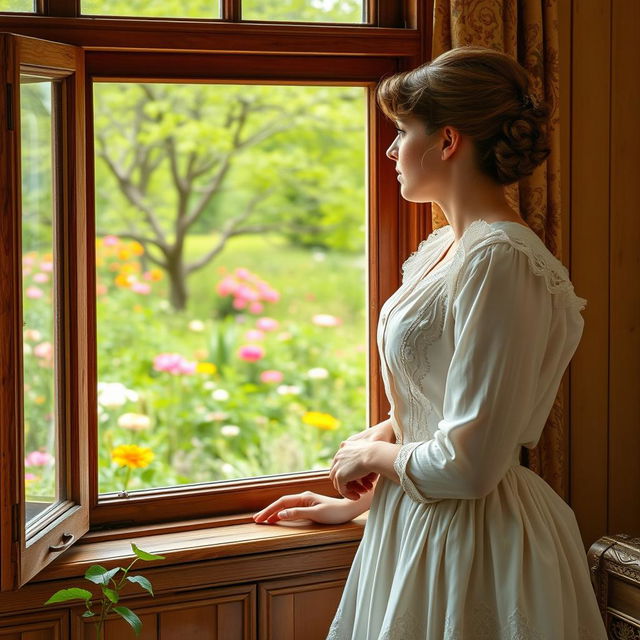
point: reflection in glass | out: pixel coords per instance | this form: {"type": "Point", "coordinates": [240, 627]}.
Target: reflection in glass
{"type": "Point", "coordinates": [231, 279]}
{"type": "Point", "coordinates": [304, 10]}
{"type": "Point", "coordinates": [38, 296]}
{"type": "Point", "coordinates": [152, 8]}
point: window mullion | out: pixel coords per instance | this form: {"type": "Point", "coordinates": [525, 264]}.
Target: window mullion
{"type": "Point", "coordinates": [58, 8]}
{"type": "Point", "coordinates": [231, 10]}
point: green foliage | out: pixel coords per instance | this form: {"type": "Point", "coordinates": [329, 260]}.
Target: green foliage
{"type": "Point", "coordinates": [64, 595]}
{"type": "Point", "coordinates": [110, 595]}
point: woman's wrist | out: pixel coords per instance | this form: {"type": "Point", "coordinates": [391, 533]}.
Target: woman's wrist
{"type": "Point", "coordinates": [380, 458]}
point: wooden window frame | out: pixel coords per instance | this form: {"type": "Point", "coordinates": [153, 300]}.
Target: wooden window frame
{"type": "Point", "coordinates": [219, 51]}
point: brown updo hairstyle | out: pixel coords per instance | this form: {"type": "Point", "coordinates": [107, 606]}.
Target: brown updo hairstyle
{"type": "Point", "coordinates": [484, 94]}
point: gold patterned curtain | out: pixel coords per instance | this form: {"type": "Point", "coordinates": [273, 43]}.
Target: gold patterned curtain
{"type": "Point", "coordinates": [527, 31]}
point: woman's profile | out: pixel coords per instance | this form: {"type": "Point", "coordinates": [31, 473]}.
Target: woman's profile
{"type": "Point", "coordinates": [462, 542]}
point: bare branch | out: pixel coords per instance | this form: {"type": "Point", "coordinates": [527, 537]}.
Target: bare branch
{"type": "Point", "coordinates": [230, 230]}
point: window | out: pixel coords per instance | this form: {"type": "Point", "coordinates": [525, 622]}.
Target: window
{"type": "Point", "coordinates": [159, 166]}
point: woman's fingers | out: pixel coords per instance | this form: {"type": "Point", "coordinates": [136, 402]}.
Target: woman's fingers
{"type": "Point", "coordinates": [284, 502]}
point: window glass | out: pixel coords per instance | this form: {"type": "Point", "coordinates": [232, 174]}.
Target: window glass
{"type": "Point", "coordinates": [39, 272]}
{"type": "Point", "coordinates": [304, 10]}
{"type": "Point", "coordinates": [152, 8]}
{"type": "Point", "coordinates": [231, 278]}
{"type": "Point", "coordinates": [24, 6]}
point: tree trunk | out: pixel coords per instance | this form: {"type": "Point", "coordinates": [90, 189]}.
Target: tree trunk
{"type": "Point", "coordinates": [178, 293]}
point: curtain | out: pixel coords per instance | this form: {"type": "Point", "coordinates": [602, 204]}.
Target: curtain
{"type": "Point", "coordinates": [527, 31]}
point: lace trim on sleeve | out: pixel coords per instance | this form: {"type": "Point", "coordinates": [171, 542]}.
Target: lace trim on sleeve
{"type": "Point", "coordinates": [400, 466]}
{"type": "Point", "coordinates": [542, 262]}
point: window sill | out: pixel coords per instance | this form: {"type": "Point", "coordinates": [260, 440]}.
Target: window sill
{"type": "Point", "coordinates": [197, 541]}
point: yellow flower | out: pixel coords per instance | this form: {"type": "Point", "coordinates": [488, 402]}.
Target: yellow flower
{"type": "Point", "coordinates": [323, 421]}
{"type": "Point", "coordinates": [123, 281]}
{"type": "Point", "coordinates": [136, 248]}
{"type": "Point", "coordinates": [132, 456]}
{"type": "Point", "coordinates": [206, 367]}
{"type": "Point", "coordinates": [155, 274]}
{"type": "Point", "coordinates": [123, 254]}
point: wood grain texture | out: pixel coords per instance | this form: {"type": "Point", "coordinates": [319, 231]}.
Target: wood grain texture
{"type": "Point", "coordinates": [624, 355]}
{"type": "Point", "coordinates": [299, 608]}
{"type": "Point", "coordinates": [589, 170]}
{"type": "Point", "coordinates": [216, 36]}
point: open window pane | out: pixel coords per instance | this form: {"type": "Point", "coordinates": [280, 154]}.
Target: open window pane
{"type": "Point", "coordinates": [152, 8]}
{"type": "Point", "coordinates": [304, 10]}
{"type": "Point", "coordinates": [23, 6]}
{"type": "Point", "coordinates": [39, 273]}
{"type": "Point", "coordinates": [231, 279]}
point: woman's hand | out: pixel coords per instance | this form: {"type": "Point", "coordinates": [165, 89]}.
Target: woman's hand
{"type": "Point", "coordinates": [311, 506]}
{"type": "Point", "coordinates": [350, 473]}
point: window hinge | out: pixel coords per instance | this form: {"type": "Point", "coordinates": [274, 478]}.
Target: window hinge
{"type": "Point", "coordinates": [15, 522]}
{"type": "Point", "coordinates": [9, 106]}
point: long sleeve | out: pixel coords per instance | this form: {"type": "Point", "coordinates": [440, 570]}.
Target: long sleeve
{"type": "Point", "coordinates": [502, 316]}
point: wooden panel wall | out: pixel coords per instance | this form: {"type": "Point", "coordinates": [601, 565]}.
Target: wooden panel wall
{"type": "Point", "coordinates": [601, 170]}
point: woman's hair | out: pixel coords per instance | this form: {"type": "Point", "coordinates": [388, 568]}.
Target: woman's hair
{"type": "Point", "coordinates": [484, 94]}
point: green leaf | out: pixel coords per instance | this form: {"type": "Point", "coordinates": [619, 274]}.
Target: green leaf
{"type": "Point", "coordinates": [142, 581]}
{"type": "Point", "coordinates": [130, 617]}
{"type": "Point", "coordinates": [88, 614]}
{"type": "Point", "coordinates": [143, 555]}
{"type": "Point", "coordinates": [111, 594]}
{"type": "Point", "coordinates": [99, 575]}
{"type": "Point", "coordinates": [69, 594]}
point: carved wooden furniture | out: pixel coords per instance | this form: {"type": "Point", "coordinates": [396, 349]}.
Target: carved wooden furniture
{"type": "Point", "coordinates": [614, 562]}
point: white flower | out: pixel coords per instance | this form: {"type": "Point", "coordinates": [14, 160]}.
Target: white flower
{"type": "Point", "coordinates": [319, 256]}
{"type": "Point", "coordinates": [228, 469]}
{"type": "Point", "coordinates": [114, 394]}
{"type": "Point", "coordinates": [220, 394]}
{"type": "Point", "coordinates": [209, 385]}
{"type": "Point", "coordinates": [318, 373]}
{"type": "Point", "coordinates": [285, 389]}
{"type": "Point", "coordinates": [196, 325]}
{"type": "Point", "coordinates": [230, 430]}
{"type": "Point", "coordinates": [134, 421]}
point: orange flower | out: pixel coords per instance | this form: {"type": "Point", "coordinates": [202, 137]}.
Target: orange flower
{"type": "Point", "coordinates": [123, 254]}
{"type": "Point", "coordinates": [136, 248]}
{"type": "Point", "coordinates": [132, 456]}
{"type": "Point", "coordinates": [323, 421]}
{"type": "Point", "coordinates": [122, 281]}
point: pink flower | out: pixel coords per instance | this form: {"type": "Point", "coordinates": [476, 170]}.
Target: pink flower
{"type": "Point", "coordinates": [256, 307]}
{"type": "Point", "coordinates": [267, 324]}
{"type": "Point", "coordinates": [242, 274]}
{"type": "Point", "coordinates": [32, 334]}
{"type": "Point", "coordinates": [226, 286]}
{"type": "Point", "coordinates": [28, 260]}
{"type": "Point", "coordinates": [46, 266]}
{"type": "Point", "coordinates": [271, 375]}
{"type": "Point", "coordinates": [34, 293]}
{"type": "Point", "coordinates": [239, 303]}
{"type": "Point", "coordinates": [41, 277]}
{"type": "Point", "coordinates": [246, 293]}
{"type": "Point", "coordinates": [173, 363]}
{"type": "Point", "coordinates": [254, 334]}
{"type": "Point", "coordinates": [30, 476]}
{"type": "Point", "coordinates": [325, 320]}
{"type": "Point", "coordinates": [270, 295]}
{"type": "Point", "coordinates": [141, 287]}
{"type": "Point", "coordinates": [43, 350]}
{"type": "Point", "coordinates": [251, 352]}
{"type": "Point", "coordinates": [110, 241]}
{"type": "Point", "coordinates": [38, 459]}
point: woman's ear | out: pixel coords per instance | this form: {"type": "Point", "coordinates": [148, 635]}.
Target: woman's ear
{"type": "Point", "coordinates": [452, 141]}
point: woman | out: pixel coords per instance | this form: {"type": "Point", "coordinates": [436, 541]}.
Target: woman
{"type": "Point", "coordinates": [462, 542]}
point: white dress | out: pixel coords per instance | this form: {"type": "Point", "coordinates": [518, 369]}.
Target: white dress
{"type": "Point", "coordinates": [472, 545]}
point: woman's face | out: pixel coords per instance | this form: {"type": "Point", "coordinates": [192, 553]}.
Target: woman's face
{"type": "Point", "coordinates": [414, 153]}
